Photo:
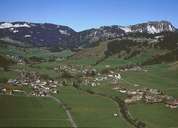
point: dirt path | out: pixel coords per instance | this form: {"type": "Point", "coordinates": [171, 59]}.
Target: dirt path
{"type": "Point", "coordinates": [66, 110]}
{"type": "Point", "coordinates": [172, 88]}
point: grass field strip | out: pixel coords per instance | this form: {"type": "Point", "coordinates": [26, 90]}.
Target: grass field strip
{"type": "Point", "coordinates": [66, 110]}
{"type": "Point", "coordinates": [36, 119]}
{"type": "Point", "coordinates": [128, 82]}
{"type": "Point", "coordinates": [149, 74]}
{"type": "Point", "coordinates": [156, 76]}
{"type": "Point", "coordinates": [171, 89]}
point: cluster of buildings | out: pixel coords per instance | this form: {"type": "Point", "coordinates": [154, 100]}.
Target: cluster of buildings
{"type": "Point", "coordinates": [39, 87]}
{"type": "Point", "coordinates": [44, 88]}
{"type": "Point", "coordinates": [99, 79]}
{"type": "Point", "coordinates": [146, 95]}
{"type": "Point", "coordinates": [132, 68]}
{"type": "Point", "coordinates": [149, 96]}
{"type": "Point", "coordinates": [89, 76]}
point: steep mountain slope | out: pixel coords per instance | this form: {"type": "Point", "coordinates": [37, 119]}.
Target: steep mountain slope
{"type": "Point", "coordinates": [39, 34]}
{"type": "Point", "coordinates": [102, 33]}
{"type": "Point", "coordinates": [90, 55]}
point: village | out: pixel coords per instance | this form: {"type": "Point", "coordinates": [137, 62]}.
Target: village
{"type": "Point", "coordinates": [82, 76]}
{"type": "Point", "coordinates": [32, 79]}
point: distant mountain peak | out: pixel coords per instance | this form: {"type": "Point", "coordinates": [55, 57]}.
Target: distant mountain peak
{"type": "Point", "coordinates": [153, 27]}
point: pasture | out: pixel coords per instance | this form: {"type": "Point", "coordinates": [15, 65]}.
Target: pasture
{"type": "Point", "coordinates": [20, 111]}
{"type": "Point", "coordinates": [155, 115]}
{"type": "Point", "coordinates": [91, 110]}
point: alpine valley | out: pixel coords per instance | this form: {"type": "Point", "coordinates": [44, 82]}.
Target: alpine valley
{"type": "Point", "coordinates": [111, 76]}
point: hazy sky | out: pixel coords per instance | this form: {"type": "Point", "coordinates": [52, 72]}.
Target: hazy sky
{"type": "Point", "coordinates": [83, 14]}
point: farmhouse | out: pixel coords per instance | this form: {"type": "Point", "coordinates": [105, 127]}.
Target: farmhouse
{"type": "Point", "coordinates": [172, 103]}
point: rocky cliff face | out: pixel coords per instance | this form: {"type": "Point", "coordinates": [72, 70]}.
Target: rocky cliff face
{"type": "Point", "coordinates": [153, 27]}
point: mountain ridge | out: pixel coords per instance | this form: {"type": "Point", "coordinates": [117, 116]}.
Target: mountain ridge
{"type": "Point", "coordinates": [48, 34]}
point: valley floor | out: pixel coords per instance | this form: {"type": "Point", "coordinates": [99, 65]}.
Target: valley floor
{"type": "Point", "coordinates": [86, 108]}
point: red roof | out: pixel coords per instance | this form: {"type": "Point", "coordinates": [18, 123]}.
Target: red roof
{"type": "Point", "coordinates": [173, 102]}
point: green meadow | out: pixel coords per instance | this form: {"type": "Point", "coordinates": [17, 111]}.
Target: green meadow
{"type": "Point", "coordinates": [21, 111]}
{"type": "Point", "coordinates": [155, 115]}
{"type": "Point", "coordinates": [91, 110]}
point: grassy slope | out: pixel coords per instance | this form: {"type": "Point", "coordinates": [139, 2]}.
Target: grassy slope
{"type": "Point", "coordinates": [160, 76]}
{"type": "Point", "coordinates": [44, 68]}
{"type": "Point", "coordinates": [43, 53]}
{"type": "Point", "coordinates": [31, 112]}
{"type": "Point", "coordinates": [105, 88]}
{"type": "Point", "coordinates": [91, 111]}
{"type": "Point", "coordinates": [5, 75]}
{"type": "Point", "coordinates": [89, 55]}
{"type": "Point", "coordinates": [29, 52]}
{"type": "Point", "coordinates": [114, 61]}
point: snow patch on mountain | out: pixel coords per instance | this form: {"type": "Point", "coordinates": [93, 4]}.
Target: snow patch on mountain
{"type": "Point", "coordinates": [126, 29]}
{"type": "Point", "coordinates": [64, 32]}
{"type": "Point", "coordinates": [15, 31]}
{"type": "Point", "coordinates": [152, 29]}
{"type": "Point", "coordinates": [10, 25]}
{"type": "Point", "coordinates": [171, 28]}
{"type": "Point", "coordinates": [27, 36]}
